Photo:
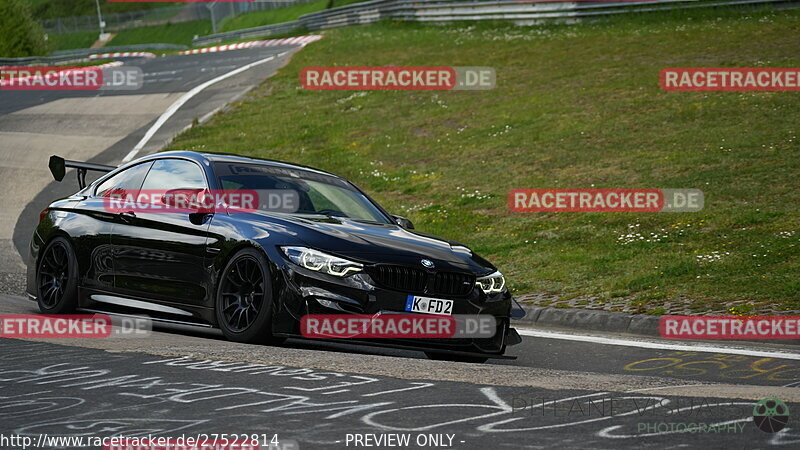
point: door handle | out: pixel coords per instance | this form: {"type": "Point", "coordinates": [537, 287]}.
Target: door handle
{"type": "Point", "coordinates": [127, 216]}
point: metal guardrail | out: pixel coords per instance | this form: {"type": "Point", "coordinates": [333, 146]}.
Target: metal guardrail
{"type": "Point", "coordinates": [120, 48]}
{"type": "Point", "coordinates": [247, 33]}
{"type": "Point", "coordinates": [64, 56]}
{"type": "Point", "coordinates": [35, 60]}
{"type": "Point", "coordinates": [444, 11]}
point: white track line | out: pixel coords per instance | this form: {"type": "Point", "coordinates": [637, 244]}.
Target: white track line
{"type": "Point", "coordinates": [173, 108]}
{"type": "Point", "coordinates": [692, 347]}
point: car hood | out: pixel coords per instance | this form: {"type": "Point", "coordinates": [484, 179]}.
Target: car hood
{"type": "Point", "coordinates": [382, 243]}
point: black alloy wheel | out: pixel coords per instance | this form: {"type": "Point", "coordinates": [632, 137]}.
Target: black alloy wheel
{"type": "Point", "coordinates": [244, 299]}
{"type": "Point", "coordinates": [57, 278]}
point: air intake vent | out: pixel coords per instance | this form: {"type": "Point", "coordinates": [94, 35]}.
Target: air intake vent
{"type": "Point", "coordinates": [415, 281]}
{"type": "Point", "coordinates": [451, 283]}
{"type": "Point", "coordinates": [400, 278]}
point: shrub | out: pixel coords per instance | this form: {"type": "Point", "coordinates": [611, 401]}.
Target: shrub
{"type": "Point", "coordinates": [20, 34]}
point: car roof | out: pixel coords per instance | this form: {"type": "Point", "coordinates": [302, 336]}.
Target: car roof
{"type": "Point", "coordinates": [226, 157]}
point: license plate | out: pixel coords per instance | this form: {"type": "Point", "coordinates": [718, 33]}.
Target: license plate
{"type": "Point", "coordinates": [427, 305]}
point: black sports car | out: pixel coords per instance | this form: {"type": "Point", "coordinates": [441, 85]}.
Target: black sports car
{"type": "Point", "coordinates": [254, 273]}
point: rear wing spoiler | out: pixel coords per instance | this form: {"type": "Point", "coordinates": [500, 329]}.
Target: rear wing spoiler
{"type": "Point", "coordinates": [58, 167]}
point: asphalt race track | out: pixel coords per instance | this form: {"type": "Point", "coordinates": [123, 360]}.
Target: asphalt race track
{"type": "Point", "coordinates": [182, 381]}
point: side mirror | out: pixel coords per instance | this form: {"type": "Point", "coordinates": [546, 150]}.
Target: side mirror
{"type": "Point", "coordinates": [193, 201]}
{"type": "Point", "coordinates": [403, 222]}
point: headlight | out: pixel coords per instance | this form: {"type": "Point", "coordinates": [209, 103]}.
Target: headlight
{"type": "Point", "coordinates": [321, 262]}
{"type": "Point", "coordinates": [492, 284]}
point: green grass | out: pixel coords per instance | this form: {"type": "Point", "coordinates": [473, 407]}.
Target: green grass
{"type": "Point", "coordinates": [575, 106]}
{"type": "Point", "coordinates": [172, 33]}
{"type": "Point", "coordinates": [278, 15]}
{"type": "Point", "coordinates": [49, 9]}
{"type": "Point", "coordinates": [71, 40]}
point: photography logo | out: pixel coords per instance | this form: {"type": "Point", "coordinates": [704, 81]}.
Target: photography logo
{"type": "Point", "coordinates": [771, 415]}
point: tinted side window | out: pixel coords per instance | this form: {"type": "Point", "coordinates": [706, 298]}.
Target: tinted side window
{"type": "Point", "coordinates": [174, 174]}
{"type": "Point", "coordinates": [129, 179]}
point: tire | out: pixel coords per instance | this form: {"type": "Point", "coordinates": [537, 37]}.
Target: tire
{"type": "Point", "coordinates": [57, 278]}
{"type": "Point", "coordinates": [243, 304]}
{"type": "Point", "coordinates": [456, 358]}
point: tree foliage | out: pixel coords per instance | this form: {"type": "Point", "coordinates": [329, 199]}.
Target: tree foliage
{"type": "Point", "coordinates": [20, 34]}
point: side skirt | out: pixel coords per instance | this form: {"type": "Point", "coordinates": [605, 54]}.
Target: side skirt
{"type": "Point", "coordinates": [401, 347]}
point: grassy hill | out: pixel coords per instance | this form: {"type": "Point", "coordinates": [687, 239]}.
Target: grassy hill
{"type": "Point", "coordinates": [576, 106]}
{"type": "Point", "coordinates": [170, 33]}
{"type": "Point", "coordinates": [50, 9]}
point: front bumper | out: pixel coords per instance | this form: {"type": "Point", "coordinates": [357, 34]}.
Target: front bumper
{"type": "Point", "coordinates": [308, 292]}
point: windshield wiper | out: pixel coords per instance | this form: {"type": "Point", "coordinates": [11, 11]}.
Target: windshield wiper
{"type": "Point", "coordinates": [374, 222]}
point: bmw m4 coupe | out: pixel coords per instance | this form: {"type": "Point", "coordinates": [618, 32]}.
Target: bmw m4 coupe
{"type": "Point", "coordinates": [311, 244]}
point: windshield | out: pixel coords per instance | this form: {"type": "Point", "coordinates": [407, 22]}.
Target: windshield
{"type": "Point", "coordinates": [299, 192]}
